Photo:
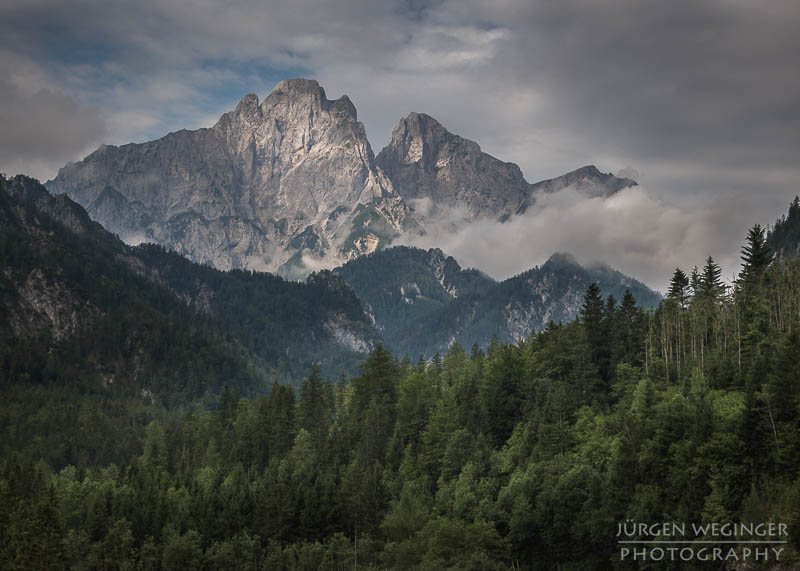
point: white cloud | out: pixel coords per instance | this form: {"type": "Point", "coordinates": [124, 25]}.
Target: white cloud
{"type": "Point", "coordinates": [633, 231]}
{"type": "Point", "coordinates": [42, 128]}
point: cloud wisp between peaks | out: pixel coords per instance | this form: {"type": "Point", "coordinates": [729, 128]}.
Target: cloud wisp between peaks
{"type": "Point", "coordinates": [632, 230]}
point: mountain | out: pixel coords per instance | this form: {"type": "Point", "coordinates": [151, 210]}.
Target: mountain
{"type": "Point", "coordinates": [423, 301]}
{"type": "Point", "coordinates": [424, 161]}
{"type": "Point", "coordinates": [291, 183]}
{"type": "Point", "coordinates": [401, 285]}
{"type": "Point", "coordinates": [268, 181]}
{"type": "Point", "coordinates": [79, 305]}
{"type": "Point", "coordinates": [784, 237]}
{"type": "Point", "coordinates": [588, 181]}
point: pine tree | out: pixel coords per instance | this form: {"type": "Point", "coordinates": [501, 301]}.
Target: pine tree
{"type": "Point", "coordinates": [694, 281]}
{"type": "Point", "coordinates": [679, 287]}
{"type": "Point", "coordinates": [711, 285]}
{"type": "Point", "coordinates": [593, 315]}
{"type": "Point", "coordinates": [592, 308]}
{"type": "Point", "coordinates": [315, 409]}
{"type": "Point", "coordinates": [625, 334]}
{"type": "Point", "coordinates": [611, 309]}
{"type": "Point", "coordinates": [756, 257]}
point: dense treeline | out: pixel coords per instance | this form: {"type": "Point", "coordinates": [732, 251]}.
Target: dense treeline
{"type": "Point", "coordinates": [525, 456]}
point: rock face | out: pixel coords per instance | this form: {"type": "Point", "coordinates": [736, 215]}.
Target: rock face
{"type": "Point", "coordinates": [555, 292]}
{"type": "Point", "coordinates": [290, 184]}
{"type": "Point", "coordinates": [587, 180]}
{"type": "Point", "coordinates": [239, 193]}
{"type": "Point", "coordinates": [424, 160]}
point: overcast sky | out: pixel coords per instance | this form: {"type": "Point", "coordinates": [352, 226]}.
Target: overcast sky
{"type": "Point", "coordinates": [699, 101]}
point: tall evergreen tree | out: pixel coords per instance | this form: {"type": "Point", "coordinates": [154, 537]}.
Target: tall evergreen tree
{"type": "Point", "coordinates": [711, 284]}
{"type": "Point", "coordinates": [593, 317]}
{"type": "Point", "coordinates": [694, 281]}
{"type": "Point", "coordinates": [679, 287]}
{"type": "Point", "coordinates": [592, 308]}
{"type": "Point", "coordinates": [756, 256]}
{"type": "Point", "coordinates": [625, 334]}
{"type": "Point", "coordinates": [315, 408]}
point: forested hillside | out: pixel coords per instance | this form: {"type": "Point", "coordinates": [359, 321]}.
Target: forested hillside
{"type": "Point", "coordinates": [423, 301]}
{"type": "Point", "coordinates": [401, 286]}
{"type": "Point", "coordinates": [525, 456]}
{"type": "Point", "coordinates": [784, 237]}
{"type": "Point", "coordinates": [93, 332]}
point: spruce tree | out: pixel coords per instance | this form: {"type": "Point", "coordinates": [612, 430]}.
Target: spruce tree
{"type": "Point", "coordinates": [624, 334]}
{"type": "Point", "coordinates": [593, 313]}
{"type": "Point", "coordinates": [694, 281]}
{"type": "Point", "coordinates": [315, 408]}
{"type": "Point", "coordinates": [756, 256]}
{"type": "Point", "coordinates": [592, 308]}
{"type": "Point", "coordinates": [679, 287]}
{"type": "Point", "coordinates": [711, 285]}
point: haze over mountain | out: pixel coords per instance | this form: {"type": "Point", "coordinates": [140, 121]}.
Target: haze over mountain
{"type": "Point", "coordinates": [291, 184]}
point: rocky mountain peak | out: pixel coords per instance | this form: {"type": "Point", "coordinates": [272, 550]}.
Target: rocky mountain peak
{"type": "Point", "coordinates": [306, 94]}
{"type": "Point", "coordinates": [425, 161]}
{"type": "Point", "coordinates": [278, 182]}
{"type": "Point", "coordinates": [269, 179]}
{"type": "Point", "coordinates": [420, 126]}
{"type": "Point", "coordinates": [248, 106]}
{"type": "Point", "coordinates": [420, 137]}
{"type": "Point", "coordinates": [588, 180]}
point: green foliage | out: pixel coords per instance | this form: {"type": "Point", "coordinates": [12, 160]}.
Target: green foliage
{"type": "Point", "coordinates": [784, 238]}
{"type": "Point", "coordinates": [526, 456]}
{"type": "Point", "coordinates": [756, 256]}
{"type": "Point", "coordinates": [679, 287]}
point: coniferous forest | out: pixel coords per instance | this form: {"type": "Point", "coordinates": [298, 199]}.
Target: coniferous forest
{"type": "Point", "coordinates": [522, 456]}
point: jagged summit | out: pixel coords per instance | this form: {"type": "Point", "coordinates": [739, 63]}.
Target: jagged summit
{"type": "Point", "coordinates": [420, 123]}
{"type": "Point", "coordinates": [290, 182]}
{"type": "Point", "coordinates": [588, 179]}
{"type": "Point", "coordinates": [425, 160]}
{"type": "Point", "coordinates": [303, 94]}
{"type": "Point", "coordinates": [307, 92]}
{"type": "Point", "coordinates": [268, 176]}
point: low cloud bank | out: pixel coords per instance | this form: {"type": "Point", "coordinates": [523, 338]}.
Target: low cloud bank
{"type": "Point", "coordinates": [633, 231]}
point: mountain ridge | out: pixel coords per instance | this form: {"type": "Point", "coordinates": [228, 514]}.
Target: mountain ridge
{"type": "Point", "coordinates": [415, 298]}
{"type": "Point", "coordinates": [291, 183]}
{"type": "Point", "coordinates": [148, 320]}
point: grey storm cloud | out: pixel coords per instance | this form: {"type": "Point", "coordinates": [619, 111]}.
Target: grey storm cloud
{"type": "Point", "coordinates": [44, 129]}
{"type": "Point", "coordinates": [701, 98]}
{"type": "Point", "coordinates": [545, 84]}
